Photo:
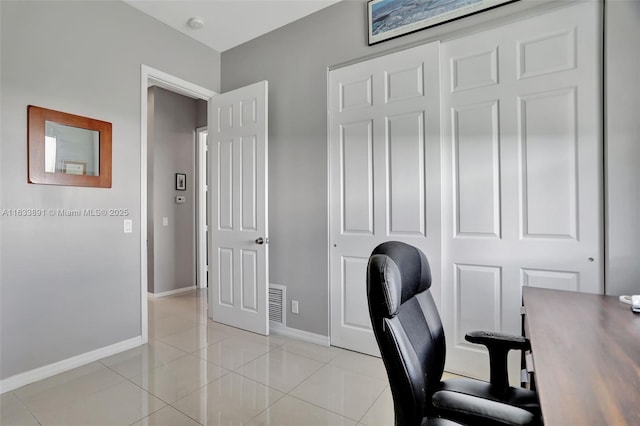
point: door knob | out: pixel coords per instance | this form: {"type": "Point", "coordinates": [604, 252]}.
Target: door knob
{"type": "Point", "coordinates": [261, 240]}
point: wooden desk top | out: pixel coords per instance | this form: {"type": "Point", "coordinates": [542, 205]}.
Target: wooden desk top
{"type": "Point", "coordinates": [586, 355]}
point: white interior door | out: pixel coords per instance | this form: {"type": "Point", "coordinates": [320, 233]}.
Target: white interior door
{"type": "Point", "coordinates": [238, 245]}
{"type": "Point", "coordinates": [522, 172]}
{"type": "Point", "coordinates": [202, 206]}
{"type": "Point", "coordinates": [384, 166]}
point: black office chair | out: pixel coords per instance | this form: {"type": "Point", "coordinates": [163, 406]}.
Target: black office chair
{"type": "Point", "coordinates": [409, 333]}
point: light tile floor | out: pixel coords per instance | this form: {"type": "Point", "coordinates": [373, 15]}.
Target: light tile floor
{"type": "Point", "coordinates": [197, 372]}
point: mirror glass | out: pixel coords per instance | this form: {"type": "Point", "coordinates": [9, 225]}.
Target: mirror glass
{"type": "Point", "coordinates": [71, 150]}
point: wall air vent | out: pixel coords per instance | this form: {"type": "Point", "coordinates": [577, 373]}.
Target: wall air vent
{"type": "Point", "coordinates": [277, 297]}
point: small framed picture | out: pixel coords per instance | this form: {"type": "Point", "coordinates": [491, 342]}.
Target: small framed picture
{"type": "Point", "coordinates": [181, 182]}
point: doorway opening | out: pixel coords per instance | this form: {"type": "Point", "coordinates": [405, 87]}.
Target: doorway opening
{"type": "Point", "coordinates": [152, 77]}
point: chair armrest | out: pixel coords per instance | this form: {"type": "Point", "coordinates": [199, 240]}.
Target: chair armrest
{"type": "Point", "coordinates": [498, 340]}
{"type": "Point", "coordinates": [499, 345]}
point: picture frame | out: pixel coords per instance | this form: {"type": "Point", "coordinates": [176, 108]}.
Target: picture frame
{"type": "Point", "coordinates": [181, 182]}
{"type": "Point", "coordinates": [389, 19]}
{"type": "Point", "coordinates": [67, 149]}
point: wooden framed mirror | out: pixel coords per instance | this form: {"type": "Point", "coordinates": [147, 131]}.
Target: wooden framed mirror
{"type": "Point", "coordinates": [67, 149]}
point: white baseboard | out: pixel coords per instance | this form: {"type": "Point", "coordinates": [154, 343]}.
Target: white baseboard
{"type": "Point", "coordinates": [171, 292]}
{"type": "Point", "coordinates": [22, 379]}
{"type": "Point", "coordinates": [283, 330]}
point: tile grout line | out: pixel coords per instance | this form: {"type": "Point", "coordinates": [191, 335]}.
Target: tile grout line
{"type": "Point", "coordinates": [24, 405]}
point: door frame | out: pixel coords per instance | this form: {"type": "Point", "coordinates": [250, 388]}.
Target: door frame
{"type": "Point", "coordinates": [151, 76]}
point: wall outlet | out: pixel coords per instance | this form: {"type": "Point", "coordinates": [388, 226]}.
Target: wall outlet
{"type": "Point", "coordinates": [165, 221]}
{"type": "Point", "coordinates": [294, 306]}
{"type": "Point", "coordinates": [128, 226]}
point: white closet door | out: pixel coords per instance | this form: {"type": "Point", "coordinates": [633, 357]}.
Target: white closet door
{"type": "Point", "coordinates": [522, 172]}
{"type": "Point", "coordinates": [384, 176]}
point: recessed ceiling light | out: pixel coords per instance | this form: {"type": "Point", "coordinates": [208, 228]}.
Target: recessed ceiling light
{"type": "Point", "coordinates": [196, 23]}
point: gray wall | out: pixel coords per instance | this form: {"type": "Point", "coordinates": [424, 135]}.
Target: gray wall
{"type": "Point", "coordinates": [295, 59]}
{"type": "Point", "coordinates": [622, 149]}
{"type": "Point", "coordinates": [173, 149]}
{"type": "Point", "coordinates": [69, 285]}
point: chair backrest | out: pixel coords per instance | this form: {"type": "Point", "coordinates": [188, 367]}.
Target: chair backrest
{"type": "Point", "coordinates": [407, 327]}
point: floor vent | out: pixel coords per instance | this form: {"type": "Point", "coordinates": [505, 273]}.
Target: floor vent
{"type": "Point", "coordinates": [277, 297]}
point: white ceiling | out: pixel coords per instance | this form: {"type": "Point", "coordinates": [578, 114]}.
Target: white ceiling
{"type": "Point", "coordinates": [229, 23]}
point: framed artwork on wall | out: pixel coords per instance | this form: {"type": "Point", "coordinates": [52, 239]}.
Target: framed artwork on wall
{"type": "Point", "coordinates": [393, 18]}
{"type": "Point", "coordinates": [181, 182]}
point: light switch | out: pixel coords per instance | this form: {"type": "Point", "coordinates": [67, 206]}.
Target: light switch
{"type": "Point", "coordinates": [128, 226]}
{"type": "Point", "coordinates": [165, 221]}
